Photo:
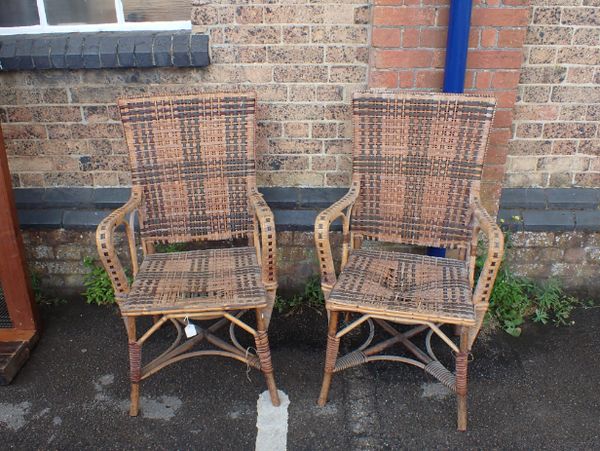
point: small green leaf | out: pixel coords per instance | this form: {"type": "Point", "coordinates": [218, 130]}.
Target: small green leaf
{"type": "Point", "coordinates": [514, 331]}
{"type": "Point", "coordinates": [97, 283]}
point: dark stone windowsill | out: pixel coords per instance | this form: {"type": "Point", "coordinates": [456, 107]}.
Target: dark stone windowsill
{"type": "Point", "coordinates": [103, 50]}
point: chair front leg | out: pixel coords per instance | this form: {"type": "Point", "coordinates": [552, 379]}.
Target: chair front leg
{"type": "Point", "coordinates": [461, 379]}
{"type": "Point", "coordinates": [264, 356]}
{"type": "Point", "coordinates": [135, 365]}
{"type": "Point", "coordinates": [333, 346]}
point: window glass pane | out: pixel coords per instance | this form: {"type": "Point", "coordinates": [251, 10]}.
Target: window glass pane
{"type": "Point", "coordinates": [156, 10]}
{"type": "Point", "coordinates": [61, 12]}
{"type": "Point", "coordinates": [16, 13]}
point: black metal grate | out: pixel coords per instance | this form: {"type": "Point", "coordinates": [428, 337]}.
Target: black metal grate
{"type": "Point", "coordinates": [5, 321]}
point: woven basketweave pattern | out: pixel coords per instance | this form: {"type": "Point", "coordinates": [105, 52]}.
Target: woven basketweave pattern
{"type": "Point", "coordinates": [193, 156]}
{"type": "Point", "coordinates": [197, 280]}
{"type": "Point", "coordinates": [405, 285]}
{"type": "Point", "coordinates": [419, 160]}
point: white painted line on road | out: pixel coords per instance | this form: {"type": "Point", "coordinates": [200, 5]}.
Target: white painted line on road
{"type": "Point", "coordinates": [272, 423]}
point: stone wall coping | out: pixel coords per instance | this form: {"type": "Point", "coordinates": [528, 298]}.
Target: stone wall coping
{"type": "Point", "coordinates": [550, 198]}
{"type": "Point", "coordinates": [295, 209]}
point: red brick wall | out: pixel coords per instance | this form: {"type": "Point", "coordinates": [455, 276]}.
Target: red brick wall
{"type": "Point", "coordinates": [304, 58]}
{"type": "Point", "coordinates": [408, 51]}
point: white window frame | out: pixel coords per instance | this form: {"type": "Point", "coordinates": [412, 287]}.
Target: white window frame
{"type": "Point", "coordinates": [119, 25]}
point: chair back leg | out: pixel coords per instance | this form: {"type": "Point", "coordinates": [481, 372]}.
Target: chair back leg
{"type": "Point", "coordinates": [461, 379]}
{"type": "Point", "coordinates": [135, 365]}
{"type": "Point", "coordinates": [333, 346]}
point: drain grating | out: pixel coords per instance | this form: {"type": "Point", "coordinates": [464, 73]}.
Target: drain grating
{"type": "Point", "coordinates": [5, 321]}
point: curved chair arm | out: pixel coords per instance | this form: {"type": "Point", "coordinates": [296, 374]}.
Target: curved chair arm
{"type": "Point", "coordinates": [495, 252]}
{"type": "Point", "coordinates": [265, 240]}
{"type": "Point", "coordinates": [106, 245]}
{"type": "Point", "coordinates": [342, 208]}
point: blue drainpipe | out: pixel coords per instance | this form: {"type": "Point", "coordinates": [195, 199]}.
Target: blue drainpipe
{"type": "Point", "coordinates": [457, 47]}
{"type": "Point", "coordinates": [459, 25]}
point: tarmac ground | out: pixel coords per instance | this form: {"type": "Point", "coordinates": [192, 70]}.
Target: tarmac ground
{"type": "Point", "coordinates": [539, 391]}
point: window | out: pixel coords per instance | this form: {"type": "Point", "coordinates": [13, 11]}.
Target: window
{"type": "Point", "coordinates": [60, 16]}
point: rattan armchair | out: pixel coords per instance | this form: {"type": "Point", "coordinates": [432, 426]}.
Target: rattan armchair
{"type": "Point", "coordinates": [417, 165]}
{"type": "Point", "coordinates": [193, 180]}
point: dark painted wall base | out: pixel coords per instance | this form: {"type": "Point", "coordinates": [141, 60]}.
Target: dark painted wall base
{"type": "Point", "coordinates": [295, 209]}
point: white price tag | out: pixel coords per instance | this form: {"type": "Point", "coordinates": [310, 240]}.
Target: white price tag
{"type": "Point", "coordinates": [190, 330]}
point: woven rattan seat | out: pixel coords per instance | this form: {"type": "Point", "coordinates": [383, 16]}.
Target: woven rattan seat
{"type": "Point", "coordinates": [193, 180]}
{"type": "Point", "coordinates": [416, 177]}
{"type": "Point", "coordinates": [203, 280]}
{"type": "Point", "coordinates": [413, 286]}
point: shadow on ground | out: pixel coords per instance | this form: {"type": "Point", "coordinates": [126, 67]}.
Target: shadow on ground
{"type": "Point", "coordinates": [537, 391]}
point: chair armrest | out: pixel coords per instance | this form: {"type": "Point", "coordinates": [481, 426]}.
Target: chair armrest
{"type": "Point", "coordinates": [265, 239]}
{"type": "Point", "coordinates": [487, 276]}
{"type": "Point", "coordinates": [495, 252]}
{"type": "Point", "coordinates": [106, 245]}
{"type": "Point", "coordinates": [322, 224]}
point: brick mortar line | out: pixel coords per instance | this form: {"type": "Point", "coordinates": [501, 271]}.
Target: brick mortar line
{"type": "Point", "coordinates": [556, 121]}
{"type": "Point", "coordinates": [567, 65]}
{"type": "Point", "coordinates": [64, 123]}
{"type": "Point", "coordinates": [326, 63]}
{"type": "Point", "coordinates": [527, 46]}
{"type": "Point", "coordinates": [291, 44]}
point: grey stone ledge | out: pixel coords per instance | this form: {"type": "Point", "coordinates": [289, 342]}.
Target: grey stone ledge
{"type": "Point", "coordinates": [548, 220]}
{"type": "Point", "coordinates": [550, 198]}
{"type": "Point", "coordinates": [296, 208]}
{"type": "Point", "coordinates": [523, 198]}
{"type": "Point", "coordinates": [573, 198]}
{"type": "Point", "coordinates": [587, 221]}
